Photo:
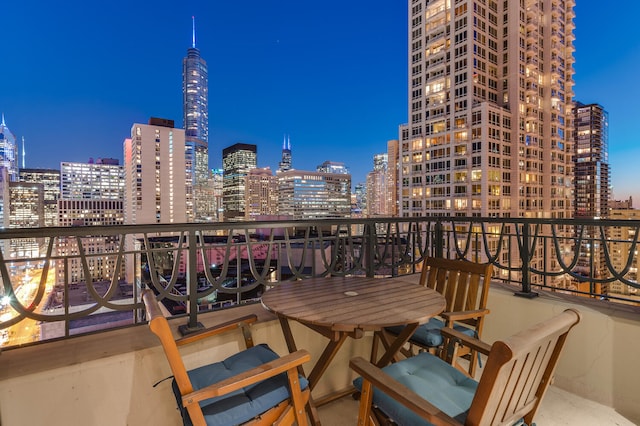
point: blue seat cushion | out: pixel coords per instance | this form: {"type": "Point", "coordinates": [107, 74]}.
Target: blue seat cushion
{"type": "Point", "coordinates": [429, 334]}
{"type": "Point", "coordinates": [431, 378]}
{"type": "Point", "coordinates": [245, 404]}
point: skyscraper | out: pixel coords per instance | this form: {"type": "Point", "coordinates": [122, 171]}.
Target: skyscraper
{"type": "Point", "coordinates": [489, 130]}
{"type": "Point", "coordinates": [261, 194]}
{"type": "Point", "coordinates": [195, 97]}
{"type": "Point", "coordinates": [490, 95]}
{"type": "Point", "coordinates": [8, 151]}
{"type": "Point", "coordinates": [50, 179]}
{"type": "Point", "coordinates": [378, 188]}
{"type": "Point", "coordinates": [591, 188]}
{"type": "Point", "coordinates": [285, 164]}
{"type": "Point", "coordinates": [591, 160]}
{"type": "Point", "coordinates": [92, 193]}
{"type": "Point", "coordinates": [157, 180]}
{"type": "Point", "coordinates": [237, 160]}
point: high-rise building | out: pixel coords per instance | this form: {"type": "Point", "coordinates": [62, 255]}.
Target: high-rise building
{"type": "Point", "coordinates": [157, 181]}
{"type": "Point", "coordinates": [314, 195]}
{"type": "Point", "coordinates": [285, 163]}
{"type": "Point", "coordinates": [393, 166]}
{"type": "Point", "coordinates": [591, 159]}
{"type": "Point", "coordinates": [217, 182]}
{"type": "Point", "coordinates": [26, 210]}
{"type": "Point", "coordinates": [622, 240]}
{"type": "Point", "coordinates": [333, 167]}
{"type": "Point", "coordinates": [101, 179]}
{"type": "Point", "coordinates": [237, 160]}
{"type": "Point", "coordinates": [50, 179]}
{"type": "Point", "coordinates": [8, 151]}
{"type": "Point", "coordinates": [489, 130]}
{"type": "Point", "coordinates": [195, 97]}
{"type": "Point", "coordinates": [591, 188]}
{"type": "Point", "coordinates": [359, 200]}
{"type": "Point", "coordinates": [91, 193]}
{"type": "Point", "coordinates": [378, 190]}
{"type": "Point", "coordinates": [261, 194]}
{"type": "Point", "coordinates": [490, 95]}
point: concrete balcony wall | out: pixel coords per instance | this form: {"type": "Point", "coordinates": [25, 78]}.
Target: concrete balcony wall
{"type": "Point", "coordinates": [601, 354]}
{"type": "Point", "coordinates": [108, 378]}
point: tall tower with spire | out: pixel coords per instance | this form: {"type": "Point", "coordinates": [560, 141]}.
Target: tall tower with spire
{"type": "Point", "coordinates": [195, 97]}
{"type": "Point", "coordinates": [8, 152]}
{"type": "Point", "coordinates": [285, 164]}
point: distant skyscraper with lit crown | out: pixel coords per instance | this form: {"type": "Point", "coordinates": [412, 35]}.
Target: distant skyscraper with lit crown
{"type": "Point", "coordinates": [285, 164]}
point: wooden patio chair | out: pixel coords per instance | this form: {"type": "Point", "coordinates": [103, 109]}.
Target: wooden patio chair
{"type": "Point", "coordinates": [425, 390]}
{"type": "Point", "coordinates": [254, 386]}
{"type": "Point", "coordinates": [465, 286]}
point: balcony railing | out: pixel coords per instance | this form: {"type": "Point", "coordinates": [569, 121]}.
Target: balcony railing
{"type": "Point", "coordinates": [60, 282]}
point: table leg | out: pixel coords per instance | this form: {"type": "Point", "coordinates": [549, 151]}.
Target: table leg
{"type": "Point", "coordinates": [312, 410]}
{"type": "Point", "coordinates": [323, 362]}
{"type": "Point", "coordinates": [397, 344]}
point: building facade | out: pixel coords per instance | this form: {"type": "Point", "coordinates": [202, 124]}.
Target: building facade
{"type": "Point", "coordinates": [261, 194]}
{"type": "Point", "coordinates": [378, 188]}
{"type": "Point", "coordinates": [622, 241]}
{"type": "Point", "coordinates": [50, 179]}
{"type": "Point", "coordinates": [157, 182]}
{"type": "Point", "coordinates": [490, 100]}
{"type": "Point", "coordinates": [237, 161]}
{"type": "Point", "coordinates": [92, 194]}
{"type": "Point", "coordinates": [591, 161]}
{"type": "Point", "coordinates": [26, 210]}
{"type": "Point", "coordinates": [314, 195]}
{"type": "Point", "coordinates": [591, 187]}
{"type": "Point", "coordinates": [490, 110]}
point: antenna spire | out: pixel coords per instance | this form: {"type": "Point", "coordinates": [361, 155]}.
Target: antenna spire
{"type": "Point", "coordinates": [3, 119]}
{"type": "Point", "coordinates": [193, 37]}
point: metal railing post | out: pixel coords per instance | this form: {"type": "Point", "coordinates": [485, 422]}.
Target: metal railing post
{"type": "Point", "coordinates": [370, 246]}
{"type": "Point", "coordinates": [192, 286]}
{"type": "Point", "coordinates": [524, 268]}
{"type": "Point", "coordinates": [438, 240]}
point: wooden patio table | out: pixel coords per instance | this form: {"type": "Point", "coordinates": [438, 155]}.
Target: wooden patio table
{"type": "Point", "coordinates": [341, 307]}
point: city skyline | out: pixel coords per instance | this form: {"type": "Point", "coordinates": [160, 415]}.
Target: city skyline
{"type": "Point", "coordinates": [336, 86]}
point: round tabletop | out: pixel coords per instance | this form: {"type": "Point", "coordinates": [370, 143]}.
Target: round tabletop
{"type": "Point", "coordinates": [352, 303]}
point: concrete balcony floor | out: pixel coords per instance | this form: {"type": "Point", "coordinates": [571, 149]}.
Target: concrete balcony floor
{"type": "Point", "coordinates": [558, 408]}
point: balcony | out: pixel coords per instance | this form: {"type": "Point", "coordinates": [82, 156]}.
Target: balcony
{"type": "Point", "coordinates": [99, 376]}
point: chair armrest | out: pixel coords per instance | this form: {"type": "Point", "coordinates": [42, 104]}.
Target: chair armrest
{"type": "Point", "coordinates": [461, 315]}
{"type": "Point", "coordinates": [405, 396]}
{"type": "Point", "coordinates": [468, 341]}
{"type": "Point", "coordinates": [255, 375]}
{"type": "Point", "coordinates": [217, 329]}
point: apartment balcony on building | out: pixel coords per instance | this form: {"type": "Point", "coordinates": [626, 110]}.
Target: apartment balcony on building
{"type": "Point", "coordinates": [76, 347]}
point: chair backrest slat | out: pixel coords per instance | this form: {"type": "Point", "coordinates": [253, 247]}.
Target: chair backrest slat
{"type": "Point", "coordinates": [464, 284]}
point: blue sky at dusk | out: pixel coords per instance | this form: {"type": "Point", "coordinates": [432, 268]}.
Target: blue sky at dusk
{"type": "Point", "coordinates": [75, 75]}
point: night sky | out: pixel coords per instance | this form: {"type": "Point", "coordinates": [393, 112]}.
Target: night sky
{"type": "Point", "coordinates": [75, 75]}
